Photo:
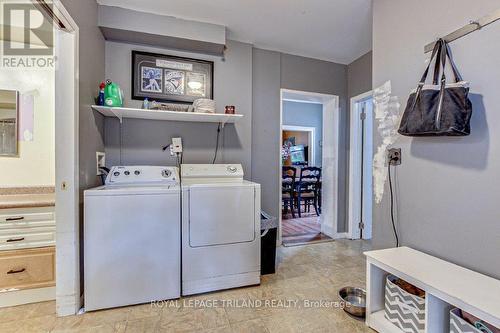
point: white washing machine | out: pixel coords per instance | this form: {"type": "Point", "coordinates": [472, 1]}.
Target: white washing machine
{"type": "Point", "coordinates": [132, 239]}
{"type": "Point", "coordinates": [220, 228]}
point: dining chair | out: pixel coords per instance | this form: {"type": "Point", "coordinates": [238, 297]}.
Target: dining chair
{"type": "Point", "coordinates": [288, 176]}
{"type": "Point", "coordinates": [307, 189]}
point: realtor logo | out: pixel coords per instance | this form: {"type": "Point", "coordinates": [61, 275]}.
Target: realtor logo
{"type": "Point", "coordinates": [27, 37]}
{"type": "Point", "coordinates": [26, 31]}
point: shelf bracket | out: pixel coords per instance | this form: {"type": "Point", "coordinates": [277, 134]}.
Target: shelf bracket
{"type": "Point", "coordinates": [117, 115]}
{"type": "Point", "coordinates": [223, 122]}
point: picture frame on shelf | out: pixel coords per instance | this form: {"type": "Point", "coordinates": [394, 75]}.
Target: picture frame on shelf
{"type": "Point", "coordinates": [167, 78]}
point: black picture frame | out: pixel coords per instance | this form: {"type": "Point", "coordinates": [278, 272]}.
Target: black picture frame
{"type": "Point", "coordinates": [166, 78]}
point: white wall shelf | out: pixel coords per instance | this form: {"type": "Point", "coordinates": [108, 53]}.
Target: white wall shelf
{"type": "Point", "coordinates": [121, 113]}
{"type": "Point", "coordinates": [446, 285]}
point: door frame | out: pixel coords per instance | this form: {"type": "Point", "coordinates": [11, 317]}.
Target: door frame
{"type": "Point", "coordinates": [355, 164]}
{"type": "Point", "coordinates": [68, 298]}
{"type": "Point", "coordinates": [330, 161]}
{"type": "Point", "coordinates": [311, 132]}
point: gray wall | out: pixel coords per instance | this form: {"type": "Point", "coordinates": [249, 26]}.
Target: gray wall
{"type": "Point", "coordinates": [305, 74]}
{"type": "Point", "coordinates": [272, 71]}
{"type": "Point", "coordinates": [91, 124]}
{"type": "Point", "coordinates": [359, 75]}
{"type": "Point", "coordinates": [447, 188]}
{"type": "Point", "coordinates": [142, 140]}
{"type": "Point", "coordinates": [309, 115]}
{"type": "Point", "coordinates": [266, 126]}
{"type": "Point", "coordinates": [250, 79]}
{"type": "Point", "coordinates": [127, 26]}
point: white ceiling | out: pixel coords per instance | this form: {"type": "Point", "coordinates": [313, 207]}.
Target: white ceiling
{"type": "Point", "coordinates": [333, 30]}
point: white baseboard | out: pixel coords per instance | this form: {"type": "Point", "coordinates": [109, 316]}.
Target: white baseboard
{"type": "Point", "coordinates": [27, 296]}
{"type": "Point", "coordinates": [68, 305]}
{"type": "Point", "coordinates": [341, 235]}
{"type": "Point", "coordinates": [327, 230]}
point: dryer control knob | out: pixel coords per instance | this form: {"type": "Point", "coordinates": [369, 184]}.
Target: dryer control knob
{"type": "Point", "coordinates": [137, 172]}
{"type": "Point", "coordinates": [116, 174]}
{"type": "Point", "coordinates": [232, 169]}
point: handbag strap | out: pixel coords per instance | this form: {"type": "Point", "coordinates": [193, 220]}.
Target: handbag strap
{"type": "Point", "coordinates": [455, 71]}
{"type": "Point", "coordinates": [437, 66]}
{"type": "Point", "coordinates": [436, 52]}
{"type": "Point", "coordinates": [444, 55]}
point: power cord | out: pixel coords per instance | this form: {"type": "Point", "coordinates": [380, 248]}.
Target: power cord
{"type": "Point", "coordinates": [217, 144]}
{"type": "Point", "coordinates": [177, 155]}
{"type": "Point", "coordinates": [179, 162]}
{"type": "Point", "coordinates": [392, 201]}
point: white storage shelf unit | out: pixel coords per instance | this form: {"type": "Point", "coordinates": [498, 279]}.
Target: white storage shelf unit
{"type": "Point", "coordinates": [446, 285]}
{"type": "Point", "coordinates": [121, 113]}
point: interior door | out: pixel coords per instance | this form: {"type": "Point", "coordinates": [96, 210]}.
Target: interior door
{"type": "Point", "coordinates": [367, 190]}
{"type": "Point", "coordinates": [221, 214]}
{"type": "Point", "coordinates": [361, 182]}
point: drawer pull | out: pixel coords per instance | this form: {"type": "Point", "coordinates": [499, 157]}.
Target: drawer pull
{"type": "Point", "coordinates": [16, 271]}
{"type": "Point", "coordinates": [18, 218]}
{"type": "Point", "coordinates": [10, 240]}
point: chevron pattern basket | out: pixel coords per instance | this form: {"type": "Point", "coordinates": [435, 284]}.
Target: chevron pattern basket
{"type": "Point", "coordinates": [458, 325]}
{"type": "Point", "coordinates": [403, 309]}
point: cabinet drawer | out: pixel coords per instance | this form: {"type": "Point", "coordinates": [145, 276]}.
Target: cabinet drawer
{"type": "Point", "coordinates": [19, 240]}
{"type": "Point", "coordinates": [27, 217]}
{"type": "Point", "coordinates": [25, 269]}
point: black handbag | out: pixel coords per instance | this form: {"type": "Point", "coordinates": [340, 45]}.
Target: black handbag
{"type": "Point", "coordinates": [439, 109]}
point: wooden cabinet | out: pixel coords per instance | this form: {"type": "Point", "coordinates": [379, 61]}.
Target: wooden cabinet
{"type": "Point", "coordinates": [27, 248]}
{"type": "Point", "coordinates": [27, 255]}
{"type": "Point", "coordinates": [28, 268]}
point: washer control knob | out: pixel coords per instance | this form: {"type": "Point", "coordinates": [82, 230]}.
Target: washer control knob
{"type": "Point", "coordinates": [137, 172]}
{"type": "Point", "coordinates": [116, 174]}
{"type": "Point", "coordinates": [232, 169]}
{"type": "Point", "coordinates": [127, 173]}
{"type": "Point", "coordinates": [166, 173]}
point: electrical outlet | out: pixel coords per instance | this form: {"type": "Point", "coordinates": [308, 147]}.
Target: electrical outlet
{"type": "Point", "coordinates": [177, 145]}
{"type": "Point", "coordinates": [100, 161]}
{"type": "Point", "coordinates": [394, 156]}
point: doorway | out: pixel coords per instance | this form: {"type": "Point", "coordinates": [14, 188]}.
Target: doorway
{"type": "Point", "coordinates": [308, 173]}
{"type": "Point", "coordinates": [47, 115]}
{"type": "Point", "coordinates": [361, 167]}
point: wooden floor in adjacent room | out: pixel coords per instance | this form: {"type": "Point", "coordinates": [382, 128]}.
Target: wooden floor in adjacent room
{"type": "Point", "coordinates": [298, 231]}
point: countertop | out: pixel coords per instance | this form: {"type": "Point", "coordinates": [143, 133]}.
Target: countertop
{"type": "Point", "coordinates": [27, 197]}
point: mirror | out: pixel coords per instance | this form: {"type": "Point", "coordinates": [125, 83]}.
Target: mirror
{"type": "Point", "coordinates": [9, 117]}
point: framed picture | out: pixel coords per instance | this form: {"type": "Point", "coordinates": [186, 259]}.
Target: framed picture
{"type": "Point", "coordinates": [171, 79]}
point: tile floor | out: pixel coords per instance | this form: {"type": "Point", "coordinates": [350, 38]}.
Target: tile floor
{"type": "Point", "coordinates": [306, 273]}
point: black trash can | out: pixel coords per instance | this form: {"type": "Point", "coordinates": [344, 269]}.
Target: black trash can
{"type": "Point", "coordinates": [269, 232]}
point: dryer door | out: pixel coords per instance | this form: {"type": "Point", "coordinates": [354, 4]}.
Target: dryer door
{"type": "Point", "coordinates": [221, 214]}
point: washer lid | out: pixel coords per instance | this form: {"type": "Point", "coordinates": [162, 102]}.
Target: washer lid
{"type": "Point", "coordinates": [108, 190]}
